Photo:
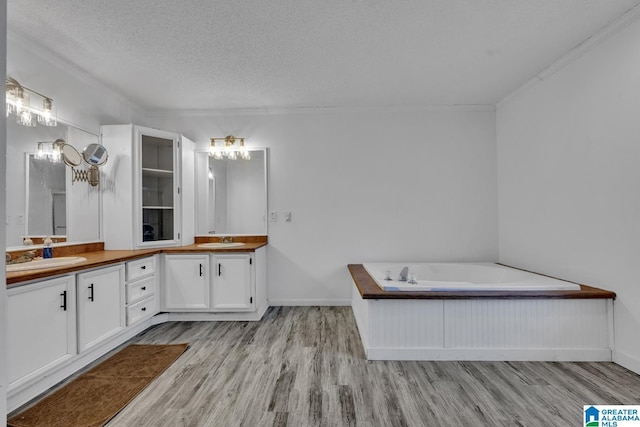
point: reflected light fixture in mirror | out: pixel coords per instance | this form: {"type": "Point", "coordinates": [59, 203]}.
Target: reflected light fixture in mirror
{"type": "Point", "coordinates": [229, 150]}
{"type": "Point", "coordinates": [51, 151]}
{"type": "Point", "coordinates": [18, 102]}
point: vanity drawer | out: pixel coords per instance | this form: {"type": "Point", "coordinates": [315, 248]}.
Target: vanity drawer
{"type": "Point", "coordinates": [140, 268]}
{"type": "Point", "coordinates": [141, 310]}
{"type": "Point", "coordinates": [141, 289]}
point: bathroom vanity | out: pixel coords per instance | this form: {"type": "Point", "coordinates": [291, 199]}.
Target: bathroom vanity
{"type": "Point", "coordinates": [63, 318]}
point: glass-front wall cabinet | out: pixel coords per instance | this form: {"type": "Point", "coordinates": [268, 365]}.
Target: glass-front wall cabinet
{"type": "Point", "coordinates": [143, 200]}
{"type": "Point", "coordinates": [158, 204]}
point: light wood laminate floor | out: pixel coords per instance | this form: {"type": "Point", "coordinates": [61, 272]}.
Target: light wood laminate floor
{"type": "Point", "coordinates": [305, 366]}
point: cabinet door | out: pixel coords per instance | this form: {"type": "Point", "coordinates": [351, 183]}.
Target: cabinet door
{"type": "Point", "coordinates": [41, 327]}
{"type": "Point", "coordinates": [232, 282]}
{"type": "Point", "coordinates": [157, 188]}
{"type": "Point", "coordinates": [186, 285]}
{"type": "Point", "coordinates": [101, 305]}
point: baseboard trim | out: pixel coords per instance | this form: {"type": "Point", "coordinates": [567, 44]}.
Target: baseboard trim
{"type": "Point", "coordinates": [308, 302]}
{"type": "Point", "coordinates": [490, 354]}
{"type": "Point", "coordinates": [253, 316]}
{"type": "Point", "coordinates": [627, 361]}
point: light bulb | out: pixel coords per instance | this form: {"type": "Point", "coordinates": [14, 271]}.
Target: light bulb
{"type": "Point", "coordinates": [48, 115]}
{"type": "Point", "coordinates": [25, 118]}
{"type": "Point", "coordinates": [23, 108]}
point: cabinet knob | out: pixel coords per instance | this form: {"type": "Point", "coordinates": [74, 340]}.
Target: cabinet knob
{"type": "Point", "coordinates": [144, 288]}
{"type": "Point", "coordinates": [144, 308]}
{"type": "Point", "coordinates": [144, 267]}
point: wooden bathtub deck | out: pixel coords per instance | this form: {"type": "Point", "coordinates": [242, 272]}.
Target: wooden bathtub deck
{"type": "Point", "coordinates": [369, 289]}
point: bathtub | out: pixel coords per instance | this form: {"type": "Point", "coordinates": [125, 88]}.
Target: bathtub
{"type": "Point", "coordinates": [478, 311]}
{"type": "Point", "coordinates": [462, 277]}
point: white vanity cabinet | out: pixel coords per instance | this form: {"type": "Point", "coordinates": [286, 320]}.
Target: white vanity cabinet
{"type": "Point", "coordinates": [141, 294]}
{"type": "Point", "coordinates": [41, 327]}
{"type": "Point", "coordinates": [150, 182]}
{"type": "Point", "coordinates": [231, 282]}
{"type": "Point", "coordinates": [219, 283]}
{"type": "Point", "coordinates": [186, 281]}
{"type": "Point", "coordinates": [101, 305]}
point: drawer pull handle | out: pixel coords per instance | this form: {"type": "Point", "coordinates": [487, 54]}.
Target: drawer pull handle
{"type": "Point", "coordinates": [91, 292]}
{"type": "Point", "coordinates": [144, 308]}
{"type": "Point", "coordinates": [219, 269]}
{"type": "Point", "coordinates": [64, 300]}
{"type": "Point", "coordinates": [144, 267]}
{"type": "Point", "coordinates": [201, 273]}
{"type": "Point", "coordinates": [144, 288]}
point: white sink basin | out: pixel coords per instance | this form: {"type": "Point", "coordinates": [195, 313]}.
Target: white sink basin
{"type": "Point", "coordinates": [218, 245]}
{"type": "Point", "coordinates": [46, 263]}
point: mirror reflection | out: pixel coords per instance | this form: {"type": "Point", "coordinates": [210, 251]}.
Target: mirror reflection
{"type": "Point", "coordinates": [231, 195]}
{"type": "Point", "coordinates": [46, 198]}
{"type": "Point", "coordinates": [95, 154]}
{"type": "Point", "coordinates": [41, 200]}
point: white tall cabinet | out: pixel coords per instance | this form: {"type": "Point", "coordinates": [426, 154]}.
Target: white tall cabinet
{"type": "Point", "coordinates": [148, 183]}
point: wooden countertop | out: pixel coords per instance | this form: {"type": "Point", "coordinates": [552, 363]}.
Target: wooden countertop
{"type": "Point", "coordinates": [102, 258]}
{"type": "Point", "coordinates": [247, 247]}
{"type": "Point", "coordinates": [94, 259]}
{"type": "Point", "coordinates": [369, 289]}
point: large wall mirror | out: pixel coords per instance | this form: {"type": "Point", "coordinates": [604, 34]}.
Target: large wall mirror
{"type": "Point", "coordinates": [41, 198]}
{"type": "Point", "coordinates": [231, 195]}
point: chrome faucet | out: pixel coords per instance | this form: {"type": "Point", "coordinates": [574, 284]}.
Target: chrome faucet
{"type": "Point", "coordinates": [227, 239]}
{"type": "Point", "coordinates": [403, 274]}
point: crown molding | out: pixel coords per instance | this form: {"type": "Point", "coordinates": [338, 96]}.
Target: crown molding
{"type": "Point", "coordinates": [319, 110]}
{"type": "Point", "coordinates": [629, 17]}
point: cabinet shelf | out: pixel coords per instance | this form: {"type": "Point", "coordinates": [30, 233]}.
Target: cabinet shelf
{"type": "Point", "coordinates": [157, 173]}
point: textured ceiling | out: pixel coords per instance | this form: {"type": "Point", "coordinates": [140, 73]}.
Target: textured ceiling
{"type": "Point", "coordinates": [210, 54]}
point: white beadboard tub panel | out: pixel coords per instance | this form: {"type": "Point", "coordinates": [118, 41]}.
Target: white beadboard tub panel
{"type": "Point", "coordinates": [527, 324]}
{"type": "Point", "coordinates": [360, 309]}
{"type": "Point", "coordinates": [406, 323]}
{"type": "Point", "coordinates": [491, 354]}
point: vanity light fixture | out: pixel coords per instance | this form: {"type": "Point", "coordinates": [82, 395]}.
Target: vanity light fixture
{"type": "Point", "coordinates": [229, 150]}
{"type": "Point", "coordinates": [18, 101]}
{"type": "Point", "coordinates": [51, 151]}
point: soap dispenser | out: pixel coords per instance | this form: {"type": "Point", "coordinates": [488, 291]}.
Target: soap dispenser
{"type": "Point", "coordinates": [47, 250]}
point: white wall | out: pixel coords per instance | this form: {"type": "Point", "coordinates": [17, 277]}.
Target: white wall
{"type": "Point", "coordinates": [366, 186]}
{"type": "Point", "coordinates": [569, 178]}
{"type": "Point", "coordinates": [81, 101]}
{"type": "Point", "coordinates": [3, 232]}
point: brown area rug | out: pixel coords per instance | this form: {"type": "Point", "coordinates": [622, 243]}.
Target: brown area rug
{"type": "Point", "coordinates": [98, 395]}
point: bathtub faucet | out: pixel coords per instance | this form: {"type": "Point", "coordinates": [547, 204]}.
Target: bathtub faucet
{"type": "Point", "coordinates": [403, 274]}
